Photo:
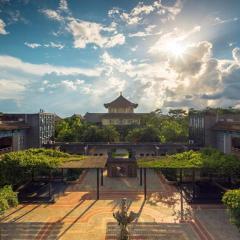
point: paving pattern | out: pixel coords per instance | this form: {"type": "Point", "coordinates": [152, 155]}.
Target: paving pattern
{"type": "Point", "coordinates": [78, 215]}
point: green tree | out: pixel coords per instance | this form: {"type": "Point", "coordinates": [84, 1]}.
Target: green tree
{"type": "Point", "coordinates": [110, 134]}
{"type": "Point", "coordinates": [177, 113]}
{"type": "Point", "coordinates": [171, 127]}
{"type": "Point", "coordinates": [145, 134]}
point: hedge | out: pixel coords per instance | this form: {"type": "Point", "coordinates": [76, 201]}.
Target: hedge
{"type": "Point", "coordinates": [231, 199]}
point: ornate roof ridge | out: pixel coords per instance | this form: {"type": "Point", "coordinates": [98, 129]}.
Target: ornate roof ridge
{"type": "Point", "coordinates": [120, 101]}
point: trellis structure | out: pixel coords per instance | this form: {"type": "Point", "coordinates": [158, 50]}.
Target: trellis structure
{"type": "Point", "coordinates": [90, 162]}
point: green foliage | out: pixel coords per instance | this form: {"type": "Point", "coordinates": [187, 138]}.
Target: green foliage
{"type": "Point", "coordinates": [154, 127]}
{"type": "Point", "coordinates": [74, 129]}
{"type": "Point", "coordinates": [207, 158]}
{"type": "Point", "coordinates": [8, 198]}
{"type": "Point", "coordinates": [70, 129]}
{"type": "Point", "coordinates": [172, 127]}
{"type": "Point", "coordinates": [145, 134]}
{"type": "Point", "coordinates": [16, 167]}
{"type": "Point", "coordinates": [188, 159]}
{"type": "Point", "coordinates": [231, 199]}
{"type": "Point", "coordinates": [100, 134]}
{"type": "Point", "coordinates": [228, 165]}
{"type": "Point", "coordinates": [110, 134]}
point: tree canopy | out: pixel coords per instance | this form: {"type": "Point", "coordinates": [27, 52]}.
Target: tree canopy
{"type": "Point", "coordinates": [155, 127]}
{"type": "Point", "coordinates": [159, 127]}
{"type": "Point", "coordinates": [74, 129]}
{"type": "Point", "coordinates": [145, 134]}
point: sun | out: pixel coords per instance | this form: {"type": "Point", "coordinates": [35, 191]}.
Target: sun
{"type": "Point", "coordinates": [175, 48]}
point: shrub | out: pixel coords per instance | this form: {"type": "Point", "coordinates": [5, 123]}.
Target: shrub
{"type": "Point", "coordinates": [8, 198]}
{"type": "Point", "coordinates": [232, 200]}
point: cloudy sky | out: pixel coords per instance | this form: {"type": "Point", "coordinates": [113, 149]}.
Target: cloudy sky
{"type": "Point", "coordinates": [72, 56]}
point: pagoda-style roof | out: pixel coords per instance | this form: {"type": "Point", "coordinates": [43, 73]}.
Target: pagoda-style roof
{"type": "Point", "coordinates": [120, 102]}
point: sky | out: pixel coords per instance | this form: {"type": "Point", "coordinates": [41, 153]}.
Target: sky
{"type": "Point", "coordinates": [72, 56]}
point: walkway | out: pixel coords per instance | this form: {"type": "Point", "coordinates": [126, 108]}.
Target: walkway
{"type": "Point", "coordinates": [77, 215]}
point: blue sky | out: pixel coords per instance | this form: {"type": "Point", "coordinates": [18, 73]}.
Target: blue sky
{"type": "Point", "coordinates": [72, 56]}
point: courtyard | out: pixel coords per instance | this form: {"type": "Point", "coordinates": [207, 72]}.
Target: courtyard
{"type": "Point", "coordinates": [76, 214]}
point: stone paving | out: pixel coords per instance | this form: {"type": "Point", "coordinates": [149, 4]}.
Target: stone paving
{"type": "Point", "coordinates": [77, 215]}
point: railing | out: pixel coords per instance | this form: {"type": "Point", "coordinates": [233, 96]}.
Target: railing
{"type": "Point", "coordinates": [5, 150]}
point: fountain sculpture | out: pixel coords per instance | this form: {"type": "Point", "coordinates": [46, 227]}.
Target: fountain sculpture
{"type": "Point", "coordinates": [124, 219]}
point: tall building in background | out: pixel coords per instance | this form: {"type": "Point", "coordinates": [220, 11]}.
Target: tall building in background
{"type": "Point", "coordinates": [21, 131]}
{"type": "Point", "coordinates": [120, 113]}
{"type": "Point", "coordinates": [215, 128]}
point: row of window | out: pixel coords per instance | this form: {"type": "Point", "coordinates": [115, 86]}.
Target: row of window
{"type": "Point", "coordinates": [120, 110]}
{"type": "Point", "coordinates": [196, 122]}
{"type": "Point", "coordinates": [123, 121]}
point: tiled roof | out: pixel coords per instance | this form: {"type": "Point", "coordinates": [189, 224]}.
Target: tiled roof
{"type": "Point", "coordinates": [227, 126]}
{"type": "Point", "coordinates": [120, 102]}
{"type": "Point", "coordinates": [8, 126]}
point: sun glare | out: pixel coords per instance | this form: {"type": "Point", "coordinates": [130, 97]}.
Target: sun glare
{"type": "Point", "coordinates": [175, 48]}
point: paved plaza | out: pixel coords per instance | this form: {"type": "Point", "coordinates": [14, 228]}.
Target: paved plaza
{"type": "Point", "coordinates": [78, 215]}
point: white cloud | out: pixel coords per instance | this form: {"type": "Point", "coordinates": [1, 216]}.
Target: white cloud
{"type": "Point", "coordinates": [32, 45]}
{"type": "Point", "coordinates": [148, 31]}
{"type": "Point", "coordinates": [84, 32]}
{"type": "Point", "coordinates": [117, 39]}
{"type": "Point", "coordinates": [219, 20]}
{"type": "Point", "coordinates": [194, 80]}
{"type": "Point", "coordinates": [8, 62]}
{"type": "Point", "coordinates": [177, 36]}
{"type": "Point", "coordinates": [47, 45]}
{"type": "Point", "coordinates": [54, 45]}
{"type": "Point", "coordinates": [90, 32]}
{"type": "Point", "coordinates": [140, 11]}
{"type": "Point", "coordinates": [63, 5]}
{"type": "Point", "coordinates": [2, 27]}
{"type": "Point", "coordinates": [11, 89]}
{"type": "Point", "coordinates": [236, 54]}
{"type": "Point", "coordinates": [60, 13]}
{"type": "Point", "coordinates": [72, 85]}
{"type": "Point", "coordinates": [116, 64]}
{"type": "Point", "coordinates": [52, 14]}
{"type": "Point", "coordinates": [134, 49]}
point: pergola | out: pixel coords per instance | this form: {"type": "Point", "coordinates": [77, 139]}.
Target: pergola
{"type": "Point", "coordinates": [160, 164]}
{"type": "Point", "coordinates": [98, 163]}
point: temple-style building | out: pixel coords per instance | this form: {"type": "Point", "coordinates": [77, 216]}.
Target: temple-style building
{"type": "Point", "coordinates": [120, 113]}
